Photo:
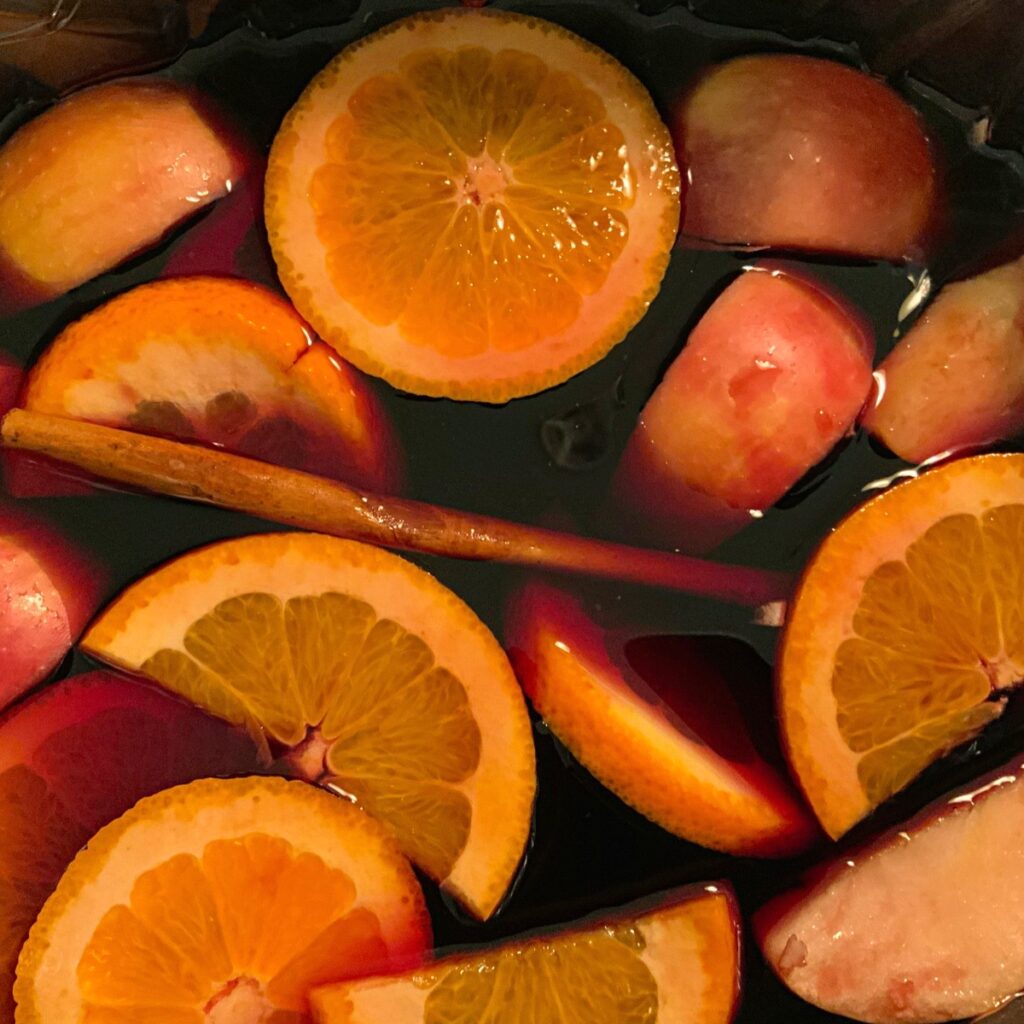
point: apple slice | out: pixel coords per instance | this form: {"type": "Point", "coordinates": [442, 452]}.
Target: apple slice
{"type": "Point", "coordinates": [99, 177]}
{"type": "Point", "coordinates": [770, 379]}
{"type": "Point", "coordinates": [956, 380]}
{"type": "Point", "coordinates": [923, 925]}
{"type": "Point", "coordinates": [658, 720]}
{"type": "Point", "coordinates": [73, 758]}
{"type": "Point", "coordinates": [797, 152]}
{"type": "Point", "coordinates": [48, 592]}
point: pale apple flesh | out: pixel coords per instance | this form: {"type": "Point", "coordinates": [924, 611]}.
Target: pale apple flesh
{"type": "Point", "coordinates": [797, 152]}
{"type": "Point", "coordinates": [924, 925]}
{"type": "Point", "coordinates": [956, 380]}
{"type": "Point", "coordinates": [769, 381]}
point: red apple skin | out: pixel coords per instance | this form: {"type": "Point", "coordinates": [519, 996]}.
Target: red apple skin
{"type": "Point", "coordinates": [771, 378]}
{"type": "Point", "coordinates": [956, 380]}
{"type": "Point", "coordinates": [48, 592]}
{"type": "Point", "coordinates": [74, 757]}
{"type": "Point", "coordinates": [796, 152]}
{"type": "Point", "coordinates": [922, 925]}
{"type": "Point", "coordinates": [101, 176]}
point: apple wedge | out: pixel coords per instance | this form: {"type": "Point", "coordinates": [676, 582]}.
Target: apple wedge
{"type": "Point", "coordinates": [771, 378]}
{"type": "Point", "coordinates": [956, 380]}
{"type": "Point", "coordinates": [800, 153]}
{"type": "Point", "coordinates": [101, 176]}
{"type": "Point", "coordinates": [921, 926]}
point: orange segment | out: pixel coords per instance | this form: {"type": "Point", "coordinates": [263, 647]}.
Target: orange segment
{"type": "Point", "coordinates": [382, 683]}
{"type": "Point", "coordinates": [472, 203]}
{"type": "Point", "coordinates": [222, 361]}
{"type": "Point", "coordinates": [677, 964]}
{"type": "Point", "coordinates": [662, 731]}
{"type": "Point", "coordinates": [907, 624]}
{"type": "Point", "coordinates": [221, 900]}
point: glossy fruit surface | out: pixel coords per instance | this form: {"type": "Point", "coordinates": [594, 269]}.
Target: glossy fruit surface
{"type": "Point", "coordinates": [221, 361]}
{"type": "Point", "coordinates": [768, 382]}
{"type": "Point", "coordinates": [956, 379]}
{"type": "Point", "coordinates": [100, 176]}
{"type": "Point", "coordinates": [74, 757]}
{"type": "Point", "coordinates": [221, 900]}
{"type": "Point", "coordinates": [677, 964]}
{"type": "Point", "coordinates": [905, 632]}
{"type": "Point", "coordinates": [376, 680]}
{"type": "Point", "coordinates": [657, 724]}
{"type": "Point", "coordinates": [800, 153]}
{"type": "Point", "coordinates": [472, 203]}
{"type": "Point", "coordinates": [922, 925]}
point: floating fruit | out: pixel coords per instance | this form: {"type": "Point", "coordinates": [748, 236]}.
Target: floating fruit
{"type": "Point", "coordinates": [49, 589]}
{"type": "Point", "coordinates": [923, 925]}
{"type": "Point", "coordinates": [100, 176]}
{"type": "Point", "coordinates": [956, 380]}
{"type": "Point", "coordinates": [225, 362]}
{"type": "Point", "coordinates": [678, 963]}
{"type": "Point", "coordinates": [771, 378]}
{"type": "Point", "coordinates": [221, 900]}
{"type": "Point", "coordinates": [801, 153]}
{"type": "Point", "coordinates": [378, 680]}
{"type": "Point", "coordinates": [472, 203]}
{"type": "Point", "coordinates": [906, 630]}
{"type": "Point", "coordinates": [657, 724]}
{"type": "Point", "coordinates": [73, 758]}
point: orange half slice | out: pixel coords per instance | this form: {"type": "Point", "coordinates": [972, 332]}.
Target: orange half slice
{"type": "Point", "coordinates": [676, 964]}
{"type": "Point", "coordinates": [374, 679]}
{"type": "Point", "coordinates": [905, 632]}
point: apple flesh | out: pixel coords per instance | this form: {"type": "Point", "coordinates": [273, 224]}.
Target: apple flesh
{"type": "Point", "coordinates": [956, 380]}
{"type": "Point", "coordinates": [796, 152]}
{"type": "Point", "coordinates": [671, 724]}
{"type": "Point", "coordinates": [101, 176]}
{"type": "Point", "coordinates": [73, 758]}
{"type": "Point", "coordinates": [924, 925]}
{"type": "Point", "coordinates": [771, 378]}
{"type": "Point", "coordinates": [48, 592]}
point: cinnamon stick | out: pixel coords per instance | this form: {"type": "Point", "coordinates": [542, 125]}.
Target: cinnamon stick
{"type": "Point", "coordinates": [314, 503]}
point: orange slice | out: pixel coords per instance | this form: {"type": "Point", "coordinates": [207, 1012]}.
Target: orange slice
{"type": "Point", "coordinates": [221, 901]}
{"type": "Point", "coordinates": [222, 361]}
{"type": "Point", "coordinates": [677, 964]}
{"type": "Point", "coordinates": [908, 622]}
{"type": "Point", "coordinates": [381, 683]}
{"type": "Point", "coordinates": [472, 203]}
{"type": "Point", "coordinates": [677, 748]}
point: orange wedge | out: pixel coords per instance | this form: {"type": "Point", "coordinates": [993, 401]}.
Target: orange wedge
{"type": "Point", "coordinates": [657, 726]}
{"type": "Point", "coordinates": [677, 964]}
{"type": "Point", "coordinates": [378, 681]}
{"type": "Point", "coordinates": [906, 628]}
{"type": "Point", "coordinates": [472, 203]}
{"type": "Point", "coordinates": [221, 901]}
{"type": "Point", "coordinates": [222, 361]}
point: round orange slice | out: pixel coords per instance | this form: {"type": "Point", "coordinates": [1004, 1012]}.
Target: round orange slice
{"type": "Point", "coordinates": [472, 203]}
{"type": "Point", "coordinates": [677, 964]}
{"type": "Point", "coordinates": [225, 362]}
{"type": "Point", "coordinates": [221, 901]}
{"type": "Point", "coordinates": [907, 626]}
{"type": "Point", "coordinates": [376, 680]}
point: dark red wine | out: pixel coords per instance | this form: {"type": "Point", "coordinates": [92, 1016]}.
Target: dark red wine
{"type": "Point", "coordinates": [549, 458]}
